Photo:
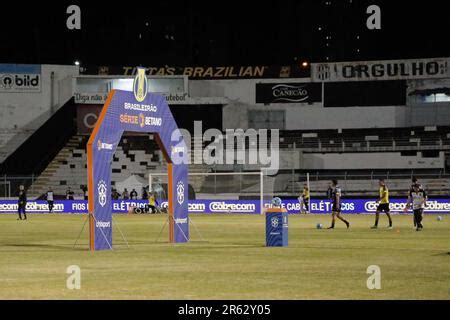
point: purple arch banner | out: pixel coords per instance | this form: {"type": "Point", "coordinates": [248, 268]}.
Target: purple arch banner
{"type": "Point", "coordinates": [137, 111]}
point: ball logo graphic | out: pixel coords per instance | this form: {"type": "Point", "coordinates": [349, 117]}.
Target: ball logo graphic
{"type": "Point", "coordinates": [101, 188]}
{"type": "Point", "coordinates": [274, 222]}
{"type": "Point", "coordinates": [140, 85]}
{"type": "Point", "coordinates": [180, 192]}
{"type": "Point", "coordinates": [276, 202]}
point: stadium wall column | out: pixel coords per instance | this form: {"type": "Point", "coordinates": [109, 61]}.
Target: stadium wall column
{"type": "Point", "coordinates": [28, 109]}
{"type": "Point", "coordinates": [242, 95]}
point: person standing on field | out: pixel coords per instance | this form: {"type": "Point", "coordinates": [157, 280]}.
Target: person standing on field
{"type": "Point", "coordinates": [336, 205]}
{"type": "Point", "coordinates": [125, 195]}
{"type": "Point", "coordinates": [417, 199]}
{"type": "Point", "coordinates": [304, 199]}
{"type": "Point", "coordinates": [414, 181]}
{"type": "Point", "coordinates": [383, 204]}
{"type": "Point", "coordinates": [50, 199]}
{"type": "Point", "coordinates": [69, 194]}
{"type": "Point", "coordinates": [329, 192]}
{"type": "Point", "coordinates": [133, 194]}
{"type": "Point", "coordinates": [144, 194]}
{"type": "Point", "coordinates": [22, 202]}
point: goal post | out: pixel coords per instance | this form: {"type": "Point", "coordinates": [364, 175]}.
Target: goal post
{"type": "Point", "coordinates": [255, 186]}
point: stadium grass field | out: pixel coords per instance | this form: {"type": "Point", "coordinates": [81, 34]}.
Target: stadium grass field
{"type": "Point", "coordinates": [233, 264]}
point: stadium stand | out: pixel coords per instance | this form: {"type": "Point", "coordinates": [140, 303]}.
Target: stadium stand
{"type": "Point", "coordinates": [135, 155]}
{"type": "Point", "coordinates": [386, 139]}
{"type": "Point", "coordinates": [139, 155]}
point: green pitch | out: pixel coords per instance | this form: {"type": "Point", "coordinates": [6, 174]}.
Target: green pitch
{"type": "Point", "coordinates": [233, 264]}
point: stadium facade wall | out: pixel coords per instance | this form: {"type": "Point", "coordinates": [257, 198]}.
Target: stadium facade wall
{"type": "Point", "coordinates": [22, 112]}
{"type": "Point", "coordinates": [289, 159]}
{"type": "Point", "coordinates": [305, 116]}
{"type": "Point", "coordinates": [373, 160]}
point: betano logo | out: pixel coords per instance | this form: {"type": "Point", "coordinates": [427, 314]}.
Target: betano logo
{"type": "Point", "coordinates": [140, 85]}
{"type": "Point", "coordinates": [103, 146]}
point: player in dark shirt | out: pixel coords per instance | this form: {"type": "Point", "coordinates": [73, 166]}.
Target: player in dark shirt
{"type": "Point", "coordinates": [329, 192]}
{"type": "Point", "coordinates": [22, 202]}
{"type": "Point", "coordinates": [69, 194]}
{"type": "Point", "coordinates": [336, 205]}
{"type": "Point", "coordinates": [417, 199]}
{"type": "Point", "coordinates": [414, 182]}
{"type": "Point", "coordinates": [133, 194]}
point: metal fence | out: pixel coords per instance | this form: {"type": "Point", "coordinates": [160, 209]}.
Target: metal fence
{"type": "Point", "coordinates": [284, 182]}
{"type": "Point", "coordinates": [339, 144]}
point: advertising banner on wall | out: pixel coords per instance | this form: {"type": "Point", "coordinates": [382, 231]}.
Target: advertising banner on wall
{"type": "Point", "coordinates": [87, 115]}
{"type": "Point", "coordinates": [207, 72]}
{"type": "Point", "coordinates": [294, 92]}
{"type": "Point", "coordinates": [171, 99]}
{"type": "Point", "coordinates": [20, 78]}
{"type": "Point", "coordinates": [381, 70]}
{"type": "Point", "coordinates": [350, 206]}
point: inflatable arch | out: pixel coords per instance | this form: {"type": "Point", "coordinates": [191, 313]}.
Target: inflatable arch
{"type": "Point", "coordinates": [137, 111]}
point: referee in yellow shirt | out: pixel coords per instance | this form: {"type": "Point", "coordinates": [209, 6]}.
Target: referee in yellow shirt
{"type": "Point", "coordinates": [383, 205]}
{"type": "Point", "coordinates": [152, 202]}
{"type": "Point", "coordinates": [305, 197]}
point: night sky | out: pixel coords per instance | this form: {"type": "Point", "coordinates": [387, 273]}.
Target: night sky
{"type": "Point", "coordinates": [216, 33]}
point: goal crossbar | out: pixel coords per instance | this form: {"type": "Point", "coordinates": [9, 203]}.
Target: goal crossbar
{"type": "Point", "coordinates": [258, 173]}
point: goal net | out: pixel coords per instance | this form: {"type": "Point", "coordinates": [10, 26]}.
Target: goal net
{"type": "Point", "coordinates": [221, 192]}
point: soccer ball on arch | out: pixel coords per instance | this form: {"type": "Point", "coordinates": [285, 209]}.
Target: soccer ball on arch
{"type": "Point", "coordinates": [276, 202]}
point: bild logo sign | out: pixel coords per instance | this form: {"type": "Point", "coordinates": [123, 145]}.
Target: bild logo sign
{"type": "Point", "coordinates": [20, 82]}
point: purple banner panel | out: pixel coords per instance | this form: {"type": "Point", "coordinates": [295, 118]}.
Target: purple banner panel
{"type": "Point", "coordinates": [351, 206]}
